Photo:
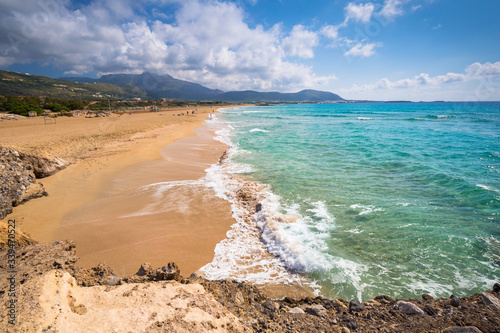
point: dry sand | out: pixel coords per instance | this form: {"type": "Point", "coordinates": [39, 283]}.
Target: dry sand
{"type": "Point", "coordinates": [125, 199]}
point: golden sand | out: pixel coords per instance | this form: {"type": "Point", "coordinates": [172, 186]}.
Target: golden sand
{"type": "Point", "coordinates": [133, 193]}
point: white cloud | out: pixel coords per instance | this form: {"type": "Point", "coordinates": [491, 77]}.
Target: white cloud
{"type": "Point", "coordinates": [360, 13]}
{"type": "Point", "coordinates": [360, 50]}
{"type": "Point", "coordinates": [391, 9]}
{"type": "Point", "coordinates": [114, 36]}
{"type": "Point", "coordinates": [479, 70]}
{"type": "Point", "coordinates": [478, 82]}
{"type": "Point", "coordinates": [330, 31]}
{"type": "Point", "coordinates": [300, 42]}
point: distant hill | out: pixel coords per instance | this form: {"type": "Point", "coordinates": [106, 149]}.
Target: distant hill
{"type": "Point", "coordinates": [17, 84]}
{"type": "Point", "coordinates": [80, 79]}
{"type": "Point", "coordinates": [302, 96]}
{"type": "Point", "coordinates": [164, 86]}
{"type": "Point", "coordinates": [145, 85]}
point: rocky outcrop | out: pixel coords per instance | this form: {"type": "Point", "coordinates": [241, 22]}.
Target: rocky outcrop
{"type": "Point", "coordinates": [18, 182]}
{"type": "Point", "coordinates": [36, 260]}
{"type": "Point", "coordinates": [53, 294]}
{"type": "Point", "coordinates": [19, 238]}
{"type": "Point", "coordinates": [43, 166]}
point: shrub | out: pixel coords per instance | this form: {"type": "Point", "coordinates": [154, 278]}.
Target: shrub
{"type": "Point", "coordinates": [56, 107]}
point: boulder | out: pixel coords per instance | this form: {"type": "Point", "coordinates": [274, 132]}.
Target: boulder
{"type": "Point", "coordinates": [43, 166]}
{"type": "Point", "coordinates": [169, 272]}
{"type": "Point", "coordinates": [454, 301]}
{"type": "Point", "coordinates": [112, 280]}
{"type": "Point", "coordinates": [316, 310]}
{"type": "Point", "coordinates": [409, 308]}
{"type": "Point", "coordinates": [296, 310]}
{"type": "Point", "coordinates": [490, 300]}
{"type": "Point", "coordinates": [355, 306]}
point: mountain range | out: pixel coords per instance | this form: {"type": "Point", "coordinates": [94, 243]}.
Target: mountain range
{"type": "Point", "coordinates": [145, 85]}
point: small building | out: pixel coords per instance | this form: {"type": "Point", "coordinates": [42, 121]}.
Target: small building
{"type": "Point", "coordinates": [32, 114]}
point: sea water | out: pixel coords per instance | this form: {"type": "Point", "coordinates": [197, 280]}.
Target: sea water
{"type": "Point", "coordinates": [363, 199]}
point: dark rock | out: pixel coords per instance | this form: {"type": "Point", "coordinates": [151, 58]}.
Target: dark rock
{"type": "Point", "coordinates": [258, 207]}
{"type": "Point", "coordinates": [409, 308]}
{"type": "Point", "coordinates": [308, 300]}
{"type": "Point", "coordinates": [431, 311]}
{"type": "Point", "coordinates": [145, 270]}
{"type": "Point", "coordinates": [496, 287]}
{"type": "Point", "coordinates": [427, 297]}
{"type": "Point", "coordinates": [169, 272]}
{"type": "Point", "coordinates": [269, 306]}
{"type": "Point", "coordinates": [355, 306]}
{"type": "Point", "coordinates": [351, 324]}
{"type": "Point", "coordinates": [316, 310]}
{"type": "Point", "coordinates": [467, 329]}
{"type": "Point", "coordinates": [454, 301]}
{"type": "Point", "coordinates": [384, 299]}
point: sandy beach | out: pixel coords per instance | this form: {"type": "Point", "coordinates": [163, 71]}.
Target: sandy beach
{"type": "Point", "coordinates": [133, 192]}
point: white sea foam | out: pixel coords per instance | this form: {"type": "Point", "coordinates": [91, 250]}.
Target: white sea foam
{"type": "Point", "coordinates": [364, 118]}
{"type": "Point", "coordinates": [365, 209]}
{"type": "Point", "coordinates": [253, 130]}
{"type": "Point", "coordinates": [355, 231]}
{"type": "Point", "coordinates": [484, 187]}
{"type": "Point", "coordinates": [266, 246]}
{"type": "Point", "coordinates": [160, 205]}
{"type": "Point", "coordinates": [321, 211]}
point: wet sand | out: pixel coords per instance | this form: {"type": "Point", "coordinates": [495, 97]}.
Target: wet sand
{"type": "Point", "coordinates": [155, 212]}
{"type": "Point", "coordinates": [131, 201]}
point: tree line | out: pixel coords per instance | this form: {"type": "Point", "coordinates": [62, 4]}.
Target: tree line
{"type": "Point", "coordinates": [22, 105]}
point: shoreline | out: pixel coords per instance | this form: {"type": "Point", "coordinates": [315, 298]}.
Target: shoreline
{"type": "Point", "coordinates": [101, 186]}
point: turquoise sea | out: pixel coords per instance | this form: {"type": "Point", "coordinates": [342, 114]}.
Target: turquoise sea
{"type": "Point", "coordinates": [381, 198]}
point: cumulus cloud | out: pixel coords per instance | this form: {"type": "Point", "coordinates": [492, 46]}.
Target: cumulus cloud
{"type": "Point", "coordinates": [391, 9]}
{"type": "Point", "coordinates": [330, 31]}
{"type": "Point", "coordinates": [359, 13]}
{"type": "Point", "coordinates": [478, 70]}
{"type": "Point", "coordinates": [300, 42]}
{"type": "Point", "coordinates": [478, 82]}
{"type": "Point", "coordinates": [116, 36]}
{"type": "Point", "coordinates": [362, 50]}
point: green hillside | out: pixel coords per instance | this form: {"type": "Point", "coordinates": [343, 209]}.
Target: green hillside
{"type": "Point", "coordinates": [17, 84]}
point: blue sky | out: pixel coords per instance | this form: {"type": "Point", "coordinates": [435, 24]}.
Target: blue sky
{"type": "Point", "coordinates": [379, 49]}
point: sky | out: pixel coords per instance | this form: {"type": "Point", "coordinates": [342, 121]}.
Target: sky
{"type": "Point", "coordinates": [419, 50]}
